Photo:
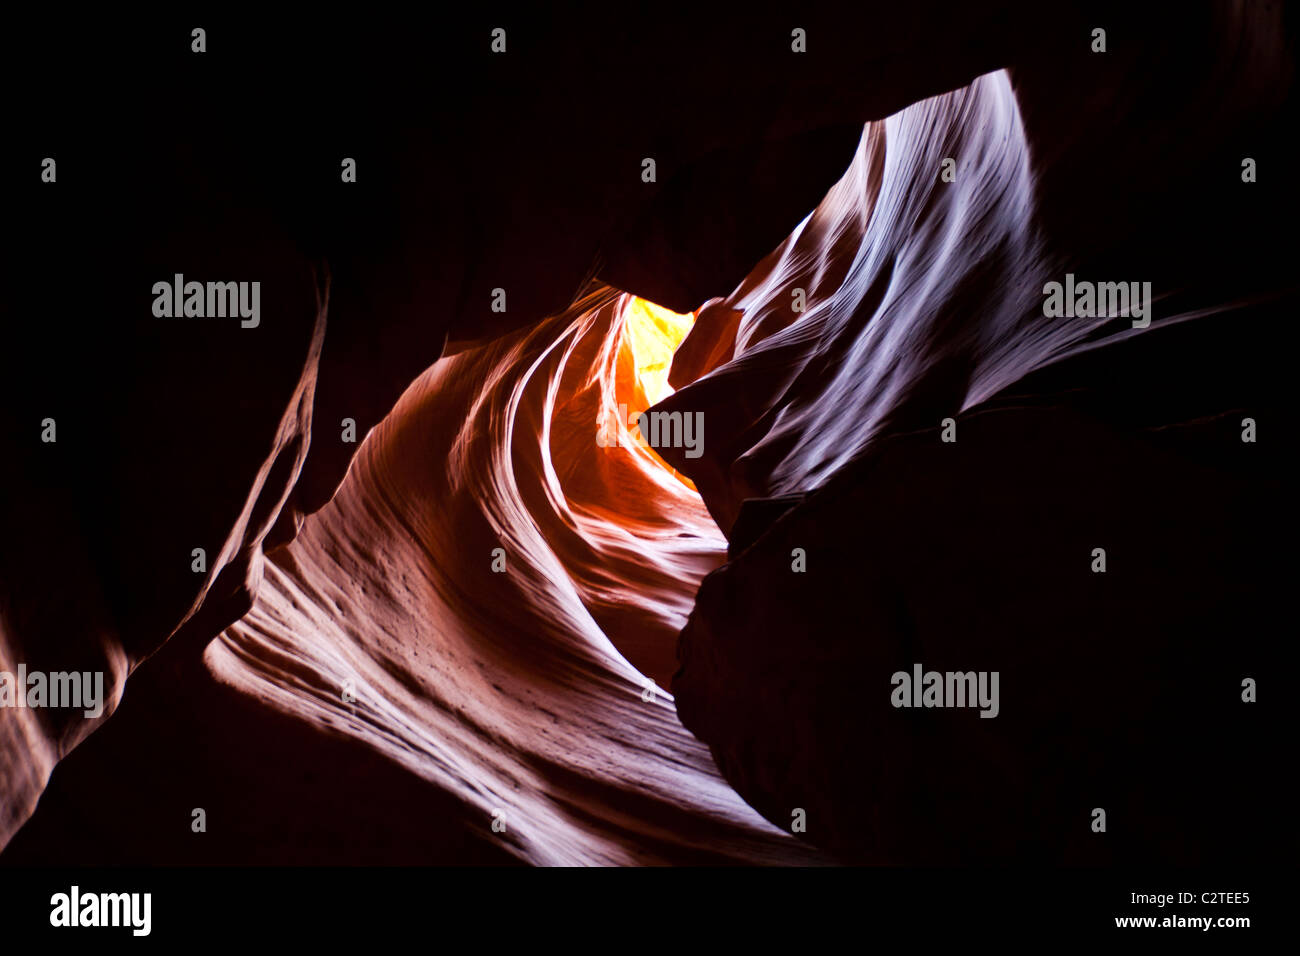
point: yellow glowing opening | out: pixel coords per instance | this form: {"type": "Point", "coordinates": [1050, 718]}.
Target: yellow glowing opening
{"type": "Point", "coordinates": [653, 333]}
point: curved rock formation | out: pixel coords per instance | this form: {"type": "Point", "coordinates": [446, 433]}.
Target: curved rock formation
{"type": "Point", "coordinates": [968, 548]}
{"type": "Point", "coordinates": [355, 602]}
{"type": "Point", "coordinates": [483, 596]}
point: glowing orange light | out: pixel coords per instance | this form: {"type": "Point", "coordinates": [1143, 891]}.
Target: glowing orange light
{"type": "Point", "coordinates": [653, 333]}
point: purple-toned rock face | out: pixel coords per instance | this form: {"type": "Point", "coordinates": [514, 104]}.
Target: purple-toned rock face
{"type": "Point", "coordinates": [961, 523]}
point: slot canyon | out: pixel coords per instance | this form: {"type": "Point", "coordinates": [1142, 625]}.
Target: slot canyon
{"type": "Point", "coordinates": [504, 626]}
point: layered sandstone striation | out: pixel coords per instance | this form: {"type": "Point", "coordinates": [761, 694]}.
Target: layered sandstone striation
{"type": "Point", "coordinates": [481, 593]}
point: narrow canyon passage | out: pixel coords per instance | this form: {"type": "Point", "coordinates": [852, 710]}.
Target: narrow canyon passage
{"type": "Point", "coordinates": [490, 593]}
{"type": "Point", "coordinates": [503, 628]}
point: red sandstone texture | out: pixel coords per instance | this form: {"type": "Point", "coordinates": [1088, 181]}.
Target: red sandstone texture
{"type": "Point", "coordinates": [355, 593]}
{"type": "Point", "coordinates": [524, 689]}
